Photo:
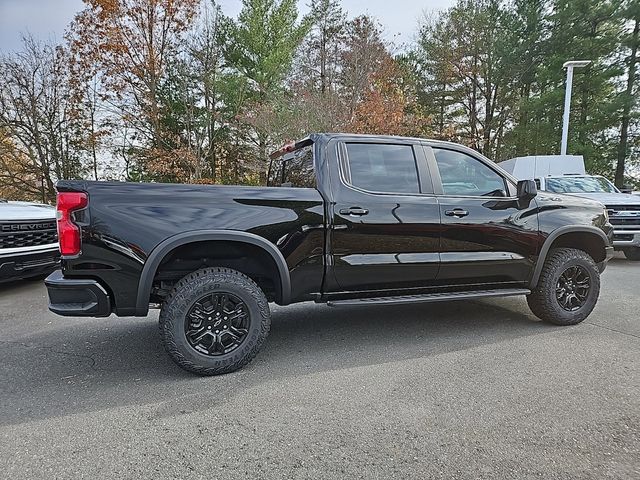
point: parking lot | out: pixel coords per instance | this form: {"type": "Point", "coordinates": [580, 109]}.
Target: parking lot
{"type": "Point", "coordinates": [474, 389]}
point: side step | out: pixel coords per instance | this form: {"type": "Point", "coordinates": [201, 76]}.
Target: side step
{"type": "Point", "coordinates": [431, 297]}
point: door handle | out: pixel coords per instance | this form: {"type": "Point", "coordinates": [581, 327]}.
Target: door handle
{"type": "Point", "coordinates": [456, 212]}
{"type": "Point", "coordinates": [355, 211]}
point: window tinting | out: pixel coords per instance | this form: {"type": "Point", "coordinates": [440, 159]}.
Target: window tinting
{"type": "Point", "coordinates": [382, 168]}
{"type": "Point", "coordinates": [462, 174]}
{"type": "Point", "coordinates": [293, 170]}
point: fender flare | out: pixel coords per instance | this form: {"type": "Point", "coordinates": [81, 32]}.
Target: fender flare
{"type": "Point", "coordinates": [546, 246]}
{"type": "Point", "coordinates": [163, 248]}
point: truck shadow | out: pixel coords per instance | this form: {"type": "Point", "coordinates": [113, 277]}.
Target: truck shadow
{"type": "Point", "coordinates": [18, 286]}
{"type": "Point", "coordinates": [90, 365]}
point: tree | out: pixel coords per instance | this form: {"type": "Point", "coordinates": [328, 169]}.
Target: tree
{"type": "Point", "coordinates": [262, 45]}
{"type": "Point", "coordinates": [319, 57]}
{"type": "Point", "coordinates": [581, 29]}
{"type": "Point", "coordinates": [491, 74]}
{"type": "Point", "coordinates": [466, 78]}
{"type": "Point", "coordinates": [175, 91]}
{"type": "Point", "coordinates": [363, 53]}
{"type": "Point", "coordinates": [130, 43]}
{"type": "Point", "coordinates": [19, 179]}
{"type": "Point", "coordinates": [388, 104]}
{"type": "Point", "coordinates": [434, 76]}
{"type": "Point", "coordinates": [629, 101]}
{"type": "Point", "coordinates": [525, 54]}
{"type": "Point", "coordinates": [43, 139]}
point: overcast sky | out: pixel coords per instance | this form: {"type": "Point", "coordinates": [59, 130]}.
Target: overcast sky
{"type": "Point", "coordinates": [47, 19]}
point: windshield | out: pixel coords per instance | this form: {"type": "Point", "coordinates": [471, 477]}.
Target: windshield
{"type": "Point", "coordinates": [580, 185]}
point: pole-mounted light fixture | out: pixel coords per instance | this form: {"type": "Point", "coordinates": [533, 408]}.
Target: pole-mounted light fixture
{"type": "Point", "coordinates": [570, 65]}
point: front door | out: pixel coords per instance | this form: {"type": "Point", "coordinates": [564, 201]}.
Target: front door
{"type": "Point", "coordinates": [386, 220]}
{"type": "Point", "coordinates": [486, 237]}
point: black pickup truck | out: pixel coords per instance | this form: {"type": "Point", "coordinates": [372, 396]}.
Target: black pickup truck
{"type": "Point", "coordinates": [345, 220]}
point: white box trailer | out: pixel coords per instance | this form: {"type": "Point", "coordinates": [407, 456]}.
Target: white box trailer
{"type": "Point", "coordinates": [538, 166]}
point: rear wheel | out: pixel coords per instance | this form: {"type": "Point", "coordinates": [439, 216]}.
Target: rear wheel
{"type": "Point", "coordinates": [214, 321]}
{"type": "Point", "coordinates": [568, 287]}
{"type": "Point", "coordinates": [632, 253]}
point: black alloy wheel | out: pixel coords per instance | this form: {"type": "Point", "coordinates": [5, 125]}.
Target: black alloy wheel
{"type": "Point", "coordinates": [572, 288]}
{"type": "Point", "coordinates": [217, 324]}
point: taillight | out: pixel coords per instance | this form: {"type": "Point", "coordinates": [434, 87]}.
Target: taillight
{"type": "Point", "coordinates": [69, 232]}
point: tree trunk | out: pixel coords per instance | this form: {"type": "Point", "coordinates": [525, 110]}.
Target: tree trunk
{"type": "Point", "coordinates": [626, 109]}
{"type": "Point", "coordinates": [323, 61]}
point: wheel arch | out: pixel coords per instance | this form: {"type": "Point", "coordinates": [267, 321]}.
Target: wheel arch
{"type": "Point", "coordinates": [584, 237]}
{"type": "Point", "coordinates": [168, 245]}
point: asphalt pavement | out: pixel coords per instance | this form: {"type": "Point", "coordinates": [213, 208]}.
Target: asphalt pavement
{"type": "Point", "coordinates": [470, 389]}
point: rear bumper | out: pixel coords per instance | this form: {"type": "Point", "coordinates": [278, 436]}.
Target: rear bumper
{"type": "Point", "coordinates": [77, 297]}
{"type": "Point", "coordinates": [24, 265]}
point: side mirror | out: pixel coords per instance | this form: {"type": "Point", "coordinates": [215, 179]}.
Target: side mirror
{"type": "Point", "coordinates": [527, 191]}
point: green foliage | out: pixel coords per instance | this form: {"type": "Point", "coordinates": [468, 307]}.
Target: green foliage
{"type": "Point", "coordinates": [263, 42]}
{"type": "Point", "coordinates": [211, 96]}
{"type": "Point", "coordinates": [491, 74]}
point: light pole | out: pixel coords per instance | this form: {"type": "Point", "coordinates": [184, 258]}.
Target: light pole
{"type": "Point", "coordinates": [570, 65]}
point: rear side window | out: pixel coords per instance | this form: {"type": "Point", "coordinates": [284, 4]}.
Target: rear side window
{"type": "Point", "coordinates": [382, 168]}
{"type": "Point", "coordinates": [464, 175]}
{"type": "Point", "coordinates": [293, 169]}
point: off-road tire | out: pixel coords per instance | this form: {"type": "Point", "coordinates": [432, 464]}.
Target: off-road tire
{"type": "Point", "coordinates": [632, 253]}
{"type": "Point", "coordinates": [193, 287]}
{"type": "Point", "coordinates": [542, 300]}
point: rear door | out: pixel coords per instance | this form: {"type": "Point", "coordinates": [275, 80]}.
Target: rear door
{"type": "Point", "coordinates": [486, 238]}
{"type": "Point", "coordinates": [385, 219]}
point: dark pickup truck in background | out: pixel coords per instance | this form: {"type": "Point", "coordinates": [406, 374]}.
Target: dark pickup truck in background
{"type": "Point", "coordinates": [346, 219]}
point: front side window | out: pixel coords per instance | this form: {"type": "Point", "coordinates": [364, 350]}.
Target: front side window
{"type": "Point", "coordinates": [382, 168]}
{"type": "Point", "coordinates": [293, 169]}
{"type": "Point", "coordinates": [464, 175]}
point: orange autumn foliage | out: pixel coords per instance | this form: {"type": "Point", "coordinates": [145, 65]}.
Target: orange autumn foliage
{"type": "Point", "coordinates": [128, 44]}
{"type": "Point", "coordinates": [388, 105]}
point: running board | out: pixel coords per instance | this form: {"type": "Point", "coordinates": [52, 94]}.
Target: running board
{"type": "Point", "coordinates": [431, 297]}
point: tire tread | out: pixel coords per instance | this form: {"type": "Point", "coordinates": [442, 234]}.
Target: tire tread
{"type": "Point", "coordinates": [170, 313]}
{"type": "Point", "coordinates": [542, 301]}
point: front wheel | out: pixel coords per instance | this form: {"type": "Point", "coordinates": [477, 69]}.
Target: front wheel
{"type": "Point", "coordinates": [214, 321]}
{"type": "Point", "coordinates": [632, 253]}
{"type": "Point", "coordinates": [568, 287]}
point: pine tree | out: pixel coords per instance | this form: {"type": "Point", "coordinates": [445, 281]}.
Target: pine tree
{"type": "Point", "coordinates": [262, 45]}
{"type": "Point", "coordinates": [631, 42]}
